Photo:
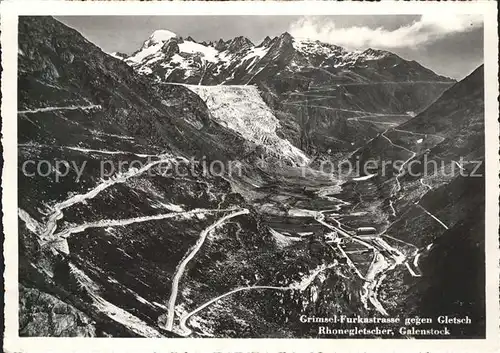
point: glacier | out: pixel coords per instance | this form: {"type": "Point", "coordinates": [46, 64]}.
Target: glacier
{"type": "Point", "coordinates": [241, 109]}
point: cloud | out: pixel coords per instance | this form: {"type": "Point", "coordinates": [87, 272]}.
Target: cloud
{"type": "Point", "coordinates": [427, 29]}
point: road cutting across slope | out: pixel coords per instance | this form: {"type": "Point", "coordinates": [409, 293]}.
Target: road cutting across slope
{"type": "Point", "coordinates": [182, 266]}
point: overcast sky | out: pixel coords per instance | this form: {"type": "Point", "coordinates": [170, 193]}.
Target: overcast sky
{"type": "Point", "coordinates": [449, 45]}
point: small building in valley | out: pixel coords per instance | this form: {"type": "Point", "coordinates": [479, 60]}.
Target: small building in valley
{"type": "Point", "coordinates": [366, 232]}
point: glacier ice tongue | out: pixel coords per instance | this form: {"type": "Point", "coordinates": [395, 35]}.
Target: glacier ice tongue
{"type": "Point", "coordinates": [241, 109]}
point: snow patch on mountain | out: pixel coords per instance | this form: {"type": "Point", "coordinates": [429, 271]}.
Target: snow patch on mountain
{"type": "Point", "coordinates": [117, 55]}
{"type": "Point", "coordinates": [208, 53]}
{"type": "Point", "coordinates": [114, 312]}
{"type": "Point", "coordinates": [341, 56]}
{"type": "Point", "coordinates": [251, 59]}
{"type": "Point", "coordinates": [241, 108]}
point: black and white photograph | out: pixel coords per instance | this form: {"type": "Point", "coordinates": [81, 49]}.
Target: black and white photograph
{"type": "Point", "coordinates": [252, 176]}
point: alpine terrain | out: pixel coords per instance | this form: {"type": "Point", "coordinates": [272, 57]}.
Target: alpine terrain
{"type": "Point", "coordinates": [200, 189]}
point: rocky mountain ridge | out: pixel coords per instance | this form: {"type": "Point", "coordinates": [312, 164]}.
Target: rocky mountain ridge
{"type": "Point", "coordinates": [349, 95]}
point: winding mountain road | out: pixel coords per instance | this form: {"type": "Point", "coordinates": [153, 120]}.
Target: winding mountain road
{"type": "Point", "coordinates": [51, 109]}
{"type": "Point", "coordinates": [182, 266]}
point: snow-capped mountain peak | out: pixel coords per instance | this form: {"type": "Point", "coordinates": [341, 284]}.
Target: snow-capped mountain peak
{"type": "Point", "coordinates": [159, 36]}
{"type": "Point", "coordinates": [151, 47]}
{"type": "Point", "coordinates": [172, 55]}
{"type": "Point", "coordinates": [240, 43]}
